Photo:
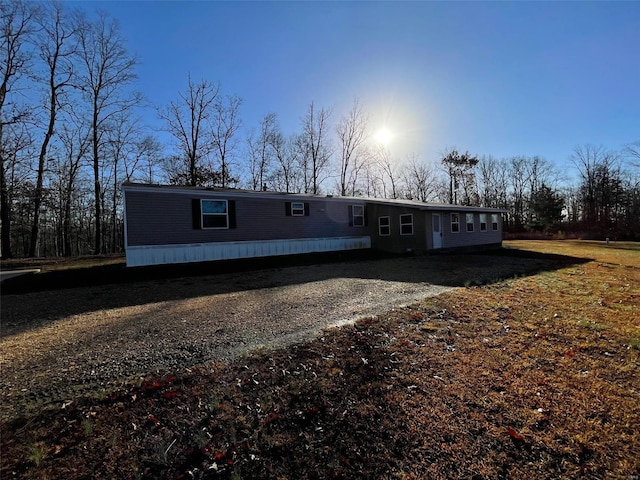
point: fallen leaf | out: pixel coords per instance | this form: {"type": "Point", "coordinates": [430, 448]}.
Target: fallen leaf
{"type": "Point", "coordinates": [515, 435]}
{"type": "Point", "coordinates": [272, 417]}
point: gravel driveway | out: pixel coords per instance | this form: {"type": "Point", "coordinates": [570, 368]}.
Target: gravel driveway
{"type": "Point", "coordinates": [58, 344]}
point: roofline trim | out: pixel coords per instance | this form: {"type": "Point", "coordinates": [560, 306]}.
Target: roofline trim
{"type": "Point", "coordinates": [237, 193]}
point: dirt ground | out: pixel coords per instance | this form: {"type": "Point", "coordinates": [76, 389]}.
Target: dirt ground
{"type": "Point", "coordinates": [95, 338]}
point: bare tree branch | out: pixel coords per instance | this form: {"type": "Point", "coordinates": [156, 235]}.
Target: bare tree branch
{"type": "Point", "coordinates": [352, 132]}
{"type": "Point", "coordinates": [186, 121]}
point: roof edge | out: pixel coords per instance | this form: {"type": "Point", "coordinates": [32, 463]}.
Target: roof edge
{"type": "Point", "coordinates": [235, 192]}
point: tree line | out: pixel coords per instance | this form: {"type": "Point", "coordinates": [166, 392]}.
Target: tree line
{"type": "Point", "coordinates": [71, 133]}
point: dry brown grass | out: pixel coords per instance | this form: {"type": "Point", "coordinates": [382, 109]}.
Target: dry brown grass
{"type": "Point", "coordinates": [532, 377]}
{"type": "Point", "coordinates": [51, 264]}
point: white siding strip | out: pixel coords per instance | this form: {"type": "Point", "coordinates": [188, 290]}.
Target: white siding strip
{"type": "Point", "coordinates": [203, 252]}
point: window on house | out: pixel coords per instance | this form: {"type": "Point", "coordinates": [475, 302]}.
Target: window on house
{"type": "Point", "coordinates": [406, 224]}
{"type": "Point", "coordinates": [215, 213]}
{"type": "Point", "coordinates": [455, 222]}
{"type": "Point", "coordinates": [297, 209]}
{"type": "Point", "coordinates": [483, 222]}
{"type": "Point", "coordinates": [358, 215]}
{"type": "Point", "coordinates": [384, 226]}
{"type": "Point", "coordinates": [469, 222]}
{"type": "Point", "coordinates": [494, 222]}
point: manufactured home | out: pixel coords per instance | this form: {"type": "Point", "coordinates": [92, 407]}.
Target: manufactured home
{"type": "Point", "coordinates": [177, 224]}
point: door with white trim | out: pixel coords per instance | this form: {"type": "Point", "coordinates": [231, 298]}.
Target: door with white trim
{"type": "Point", "coordinates": [437, 230]}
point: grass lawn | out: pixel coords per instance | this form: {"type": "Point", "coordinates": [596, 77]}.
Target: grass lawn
{"type": "Point", "coordinates": [529, 377]}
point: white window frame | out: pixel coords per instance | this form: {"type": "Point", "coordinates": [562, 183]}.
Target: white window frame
{"type": "Point", "coordinates": [204, 214]}
{"type": "Point", "coordinates": [495, 224]}
{"type": "Point", "coordinates": [405, 223]}
{"type": "Point", "coordinates": [360, 216]}
{"type": "Point", "coordinates": [483, 222]}
{"type": "Point", "coordinates": [297, 209]}
{"type": "Point", "coordinates": [455, 220]}
{"type": "Point", "coordinates": [471, 216]}
{"type": "Point", "coordinates": [387, 227]}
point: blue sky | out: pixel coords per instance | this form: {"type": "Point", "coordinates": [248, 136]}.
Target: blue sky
{"type": "Point", "coordinates": [493, 78]}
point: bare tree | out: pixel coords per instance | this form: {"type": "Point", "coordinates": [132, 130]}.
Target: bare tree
{"type": "Point", "coordinates": [390, 171]}
{"type": "Point", "coordinates": [519, 178]}
{"type": "Point", "coordinates": [145, 161]}
{"type": "Point", "coordinates": [373, 179]}
{"type": "Point", "coordinates": [542, 171]}
{"type": "Point", "coordinates": [596, 166]}
{"type": "Point", "coordinates": [187, 120]}
{"type": "Point", "coordinates": [632, 151]}
{"type": "Point", "coordinates": [56, 45]}
{"type": "Point", "coordinates": [16, 22]}
{"type": "Point", "coordinates": [225, 124]}
{"type": "Point", "coordinates": [301, 152]}
{"type": "Point", "coordinates": [352, 133]}
{"type": "Point", "coordinates": [490, 189]}
{"type": "Point", "coordinates": [107, 70]}
{"type": "Point", "coordinates": [316, 146]}
{"type": "Point", "coordinates": [420, 179]}
{"type": "Point", "coordinates": [262, 152]}
{"type": "Point", "coordinates": [571, 195]}
{"type": "Point", "coordinates": [585, 158]}
{"type": "Point", "coordinates": [288, 156]}
{"type": "Point", "coordinates": [122, 139]}
{"type": "Point", "coordinates": [75, 139]}
{"type": "Point", "coordinates": [17, 148]}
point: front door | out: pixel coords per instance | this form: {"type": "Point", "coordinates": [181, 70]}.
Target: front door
{"type": "Point", "coordinates": [437, 230]}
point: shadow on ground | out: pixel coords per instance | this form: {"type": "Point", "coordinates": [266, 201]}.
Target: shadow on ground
{"type": "Point", "coordinates": [81, 290]}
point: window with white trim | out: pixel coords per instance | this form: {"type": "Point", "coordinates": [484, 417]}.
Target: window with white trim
{"type": "Point", "coordinates": [215, 213]}
{"type": "Point", "coordinates": [469, 222]}
{"type": "Point", "coordinates": [297, 209]}
{"type": "Point", "coordinates": [455, 222]}
{"type": "Point", "coordinates": [358, 215]}
{"type": "Point", "coordinates": [494, 222]}
{"type": "Point", "coordinates": [483, 222]}
{"type": "Point", "coordinates": [406, 224]}
{"type": "Point", "coordinates": [384, 226]}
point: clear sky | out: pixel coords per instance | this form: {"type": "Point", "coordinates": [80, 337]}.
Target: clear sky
{"type": "Point", "coordinates": [494, 78]}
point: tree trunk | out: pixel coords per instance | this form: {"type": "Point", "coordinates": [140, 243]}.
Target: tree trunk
{"type": "Point", "coordinates": [66, 225]}
{"type": "Point", "coordinates": [37, 201]}
{"type": "Point", "coordinates": [5, 213]}
{"type": "Point", "coordinates": [97, 250]}
{"type": "Point", "coordinates": [114, 218]}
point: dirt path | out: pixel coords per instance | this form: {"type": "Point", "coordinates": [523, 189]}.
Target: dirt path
{"type": "Point", "coordinates": [60, 344]}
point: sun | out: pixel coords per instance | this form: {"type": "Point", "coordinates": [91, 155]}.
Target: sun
{"type": "Point", "coordinates": [384, 136]}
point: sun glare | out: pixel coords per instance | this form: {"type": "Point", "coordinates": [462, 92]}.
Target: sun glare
{"type": "Point", "coordinates": [384, 136]}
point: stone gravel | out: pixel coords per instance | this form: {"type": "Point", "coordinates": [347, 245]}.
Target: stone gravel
{"type": "Point", "coordinates": [86, 341]}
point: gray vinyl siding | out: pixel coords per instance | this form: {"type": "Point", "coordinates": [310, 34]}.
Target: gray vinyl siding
{"type": "Point", "coordinates": [156, 217]}
{"type": "Point", "coordinates": [467, 239]}
{"type": "Point", "coordinates": [397, 243]}
{"type": "Point", "coordinates": [162, 216]}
